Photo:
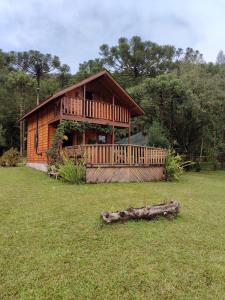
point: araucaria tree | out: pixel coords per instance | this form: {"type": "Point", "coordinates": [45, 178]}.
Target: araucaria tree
{"type": "Point", "coordinates": [37, 64]}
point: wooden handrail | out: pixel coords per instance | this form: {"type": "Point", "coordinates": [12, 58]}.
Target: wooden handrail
{"type": "Point", "coordinates": [94, 109]}
{"type": "Point", "coordinates": [108, 154]}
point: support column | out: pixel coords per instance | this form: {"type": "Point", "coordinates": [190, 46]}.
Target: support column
{"type": "Point", "coordinates": [83, 138]}
{"type": "Point", "coordinates": [113, 133]}
{"type": "Point", "coordinates": [61, 108]}
{"type": "Point", "coordinates": [84, 101]}
{"type": "Point", "coordinates": [129, 129]}
{"type": "Point", "coordinates": [84, 114]}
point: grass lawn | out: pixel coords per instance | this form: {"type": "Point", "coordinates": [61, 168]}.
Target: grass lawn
{"type": "Point", "coordinates": [53, 246]}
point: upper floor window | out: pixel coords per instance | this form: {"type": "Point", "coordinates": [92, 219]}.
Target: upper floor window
{"type": "Point", "coordinates": [89, 95]}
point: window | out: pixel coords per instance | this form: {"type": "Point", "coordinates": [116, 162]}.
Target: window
{"type": "Point", "coordinates": [36, 139]}
{"type": "Point", "coordinates": [89, 95]}
{"type": "Point", "coordinates": [101, 139]}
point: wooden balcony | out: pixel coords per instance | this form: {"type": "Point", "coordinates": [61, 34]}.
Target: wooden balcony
{"type": "Point", "coordinates": [91, 109]}
{"type": "Point", "coordinates": [118, 155]}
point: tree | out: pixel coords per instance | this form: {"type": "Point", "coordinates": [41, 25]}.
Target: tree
{"type": "Point", "coordinates": [192, 56]}
{"type": "Point", "coordinates": [157, 136]}
{"type": "Point", "coordinates": [206, 81]}
{"type": "Point", "coordinates": [64, 75]}
{"type": "Point", "coordinates": [167, 100]}
{"type": "Point", "coordinates": [137, 58]}
{"type": "Point", "coordinates": [2, 139]}
{"type": "Point", "coordinates": [220, 59]}
{"type": "Point", "coordinates": [36, 64]}
{"type": "Point", "coordinates": [88, 68]}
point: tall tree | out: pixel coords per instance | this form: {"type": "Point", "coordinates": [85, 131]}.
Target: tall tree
{"type": "Point", "coordinates": [88, 68]}
{"type": "Point", "coordinates": [35, 63]}
{"type": "Point", "coordinates": [220, 59]}
{"type": "Point", "coordinates": [138, 58]}
{"type": "Point", "coordinates": [64, 75]}
{"type": "Point", "coordinates": [168, 101]}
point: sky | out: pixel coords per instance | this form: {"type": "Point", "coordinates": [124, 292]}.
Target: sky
{"type": "Point", "coordinates": [74, 30]}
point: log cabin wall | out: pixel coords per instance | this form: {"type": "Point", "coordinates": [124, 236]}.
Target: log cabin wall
{"type": "Point", "coordinates": [39, 121]}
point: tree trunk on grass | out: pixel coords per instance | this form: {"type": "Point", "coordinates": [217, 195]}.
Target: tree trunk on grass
{"type": "Point", "coordinates": [167, 210]}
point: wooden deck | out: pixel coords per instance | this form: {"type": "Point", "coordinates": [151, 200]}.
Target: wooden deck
{"type": "Point", "coordinates": [118, 155]}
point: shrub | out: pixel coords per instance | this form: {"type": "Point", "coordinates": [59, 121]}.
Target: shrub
{"type": "Point", "coordinates": [173, 166]}
{"type": "Point", "coordinates": [10, 158]}
{"type": "Point", "coordinates": [72, 172]}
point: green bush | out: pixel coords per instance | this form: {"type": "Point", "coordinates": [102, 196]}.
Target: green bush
{"type": "Point", "coordinates": [72, 172]}
{"type": "Point", "coordinates": [173, 166]}
{"type": "Point", "coordinates": [10, 158]}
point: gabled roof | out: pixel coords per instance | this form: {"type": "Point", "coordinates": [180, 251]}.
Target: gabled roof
{"type": "Point", "coordinates": [135, 108]}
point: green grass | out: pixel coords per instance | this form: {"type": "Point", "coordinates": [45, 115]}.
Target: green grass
{"type": "Point", "coordinates": [53, 246]}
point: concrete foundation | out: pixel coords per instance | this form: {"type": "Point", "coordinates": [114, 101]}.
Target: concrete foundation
{"type": "Point", "coordinates": [38, 166]}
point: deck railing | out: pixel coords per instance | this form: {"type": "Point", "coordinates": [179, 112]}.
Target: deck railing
{"type": "Point", "coordinates": [93, 109]}
{"type": "Point", "coordinates": [110, 155]}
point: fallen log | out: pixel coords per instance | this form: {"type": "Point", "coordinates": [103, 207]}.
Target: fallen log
{"type": "Point", "coordinates": [168, 210]}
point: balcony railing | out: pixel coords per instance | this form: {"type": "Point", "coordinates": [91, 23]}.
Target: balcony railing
{"type": "Point", "coordinates": [92, 109]}
{"type": "Point", "coordinates": [130, 155]}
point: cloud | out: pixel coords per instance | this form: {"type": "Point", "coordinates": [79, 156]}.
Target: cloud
{"type": "Point", "coordinates": [74, 29]}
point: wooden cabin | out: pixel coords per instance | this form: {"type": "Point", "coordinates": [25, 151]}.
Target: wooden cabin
{"type": "Point", "coordinates": [100, 100]}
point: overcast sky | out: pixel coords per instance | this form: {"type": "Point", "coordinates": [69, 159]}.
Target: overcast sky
{"type": "Point", "coordinates": [74, 29]}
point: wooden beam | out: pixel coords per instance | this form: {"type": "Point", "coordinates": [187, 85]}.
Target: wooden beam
{"type": "Point", "coordinates": [83, 138]}
{"type": "Point", "coordinates": [90, 120]}
{"type": "Point", "coordinates": [61, 109]}
{"type": "Point", "coordinates": [129, 129]}
{"type": "Point", "coordinates": [113, 120]}
{"type": "Point", "coordinates": [84, 101]}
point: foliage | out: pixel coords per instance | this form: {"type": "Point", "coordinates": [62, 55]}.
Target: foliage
{"type": "Point", "coordinates": [72, 171]}
{"type": "Point", "coordinates": [10, 158]}
{"type": "Point", "coordinates": [66, 126]}
{"type": "Point", "coordinates": [86, 69]}
{"type": "Point", "coordinates": [220, 59]}
{"type": "Point", "coordinates": [37, 64]}
{"type": "Point", "coordinates": [166, 99]}
{"type": "Point", "coordinates": [2, 138]}
{"type": "Point", "coordinates": [173, 166]}
{"type": "Point", "coordinates": [157, 136]}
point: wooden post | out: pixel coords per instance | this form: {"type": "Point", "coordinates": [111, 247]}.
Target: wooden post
{"type": "Point", "coordinates": [113, 133]}
{"type": "Point", "coordinates": [84, 113]}
{"type": "Point", "coordinates": [61, 108]}
{"type": "Point", "coordinates": [83, 138]}
{"type": "Point", "coordinates": [129, 154]}
{"type": "Point", "coordinates": [84, 101]}
{"type": "Point", "coordinates": [129, 129]}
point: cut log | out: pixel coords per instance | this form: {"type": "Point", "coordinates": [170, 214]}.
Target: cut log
{"type": "Point", "coordinates": [168, 210]}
